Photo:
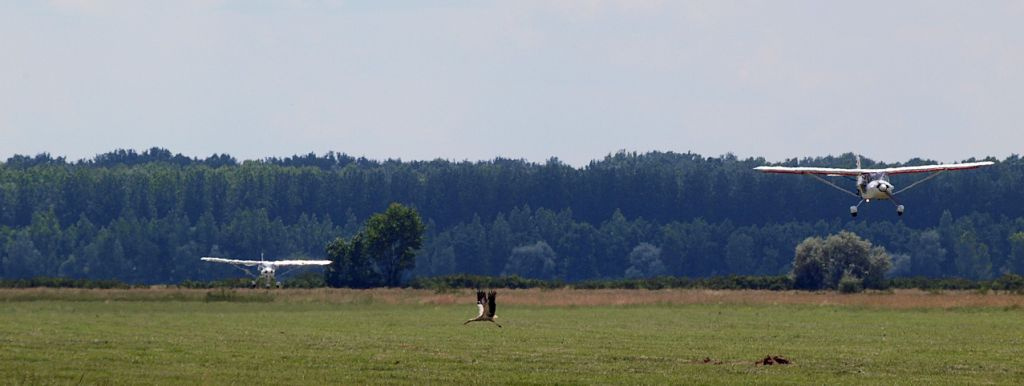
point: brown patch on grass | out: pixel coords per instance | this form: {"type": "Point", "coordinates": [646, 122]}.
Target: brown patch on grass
{"type": "Point", "coordinates": [772, 360]}
{"type": "Point", "coordinates": [899, 299]}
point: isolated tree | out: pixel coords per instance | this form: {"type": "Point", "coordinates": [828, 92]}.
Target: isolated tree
{"type": "Point", "coordinates": [350, 266]}
{"type": "Point", "coordinates": [392, 239]}
{"type": "Point", "coordinates": [823, 263]}
{"type": "Point", "coordinates": [534, 261]}
{"type": "Point", "coordinates": [645, 262]}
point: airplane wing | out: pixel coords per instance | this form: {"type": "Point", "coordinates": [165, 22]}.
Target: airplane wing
{"type": "Point", "coordinates": [812, 170]}
{"type": "Point", "coordinates": [855, 172]}
{"type": "Point", "coordinates": [299, 262]}
{"type": "Point", "coordinates": [935, 168]}
{"type": "Point", "coordinates": [231, 261]}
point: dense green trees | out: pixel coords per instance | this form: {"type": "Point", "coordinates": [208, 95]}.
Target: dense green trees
{"type": "Point", "coordinates": [148, 217]}
{"type": "Point", "coordinates": [841, 260]}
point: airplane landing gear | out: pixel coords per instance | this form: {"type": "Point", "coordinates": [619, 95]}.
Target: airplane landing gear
{"type": "Point", "coordinates": [899, 207]}
{"type": "Point", "coordinates": [853, 209]}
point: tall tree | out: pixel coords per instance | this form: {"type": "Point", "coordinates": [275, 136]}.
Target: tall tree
{"type": "Point", "coordinates": [392, 238]}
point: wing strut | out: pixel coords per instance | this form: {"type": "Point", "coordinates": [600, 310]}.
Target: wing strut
{"type": "Point", "coordinates": [919, 181]}
{"type": "Point", "coordinates": [832, 184]}
{"type": "Point", "coordinates": [247, 272]}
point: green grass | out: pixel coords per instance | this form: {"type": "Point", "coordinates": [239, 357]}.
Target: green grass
{"type": "Point", "coordinates": [144, 342]}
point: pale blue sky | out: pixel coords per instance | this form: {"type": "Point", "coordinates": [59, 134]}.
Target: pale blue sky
{"type": "Point", "coordinates": [532, 79]}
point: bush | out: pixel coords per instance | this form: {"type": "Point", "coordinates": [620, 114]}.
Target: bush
{"type": "Point", "coordinates": [1009, 283]}
{"type": "Point", "coordinates": [822, 263]}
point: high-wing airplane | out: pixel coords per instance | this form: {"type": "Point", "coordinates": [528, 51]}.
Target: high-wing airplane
{"type": "Point", "coordinates": [872, 184]}
{"type": "Point", "coordinates": [267, 268]}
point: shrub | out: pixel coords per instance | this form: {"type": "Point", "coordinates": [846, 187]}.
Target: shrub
{"type": "Point", "coordinates": [822, 263]}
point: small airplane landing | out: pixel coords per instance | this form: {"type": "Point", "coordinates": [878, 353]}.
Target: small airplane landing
{"type": "Point", "coordinates": [267, 269]}
{"type": "Point", "coordinates": [872, 184]}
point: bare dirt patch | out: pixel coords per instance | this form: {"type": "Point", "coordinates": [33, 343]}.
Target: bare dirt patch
{"type": "Point", "coordinates": [770, 360]}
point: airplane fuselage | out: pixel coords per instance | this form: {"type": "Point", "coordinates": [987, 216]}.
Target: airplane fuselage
{"type": "Point", "coordinates": [874, 186]}
{"type": "Point", "coordinates": [268, 271]}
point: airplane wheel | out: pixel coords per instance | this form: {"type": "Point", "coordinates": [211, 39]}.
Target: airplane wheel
{"type": "Point", "coordinates": [853, 211]}
{"type": "Point", "coordinates": [899, 210]}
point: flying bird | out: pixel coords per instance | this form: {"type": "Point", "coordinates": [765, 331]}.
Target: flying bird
{"type": "Point", "coordinates": [485, 304]}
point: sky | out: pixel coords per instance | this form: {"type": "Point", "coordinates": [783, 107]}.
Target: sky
{"type": "Point", "coordinates": [475, 80]}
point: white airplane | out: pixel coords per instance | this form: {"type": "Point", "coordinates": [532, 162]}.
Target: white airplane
{"type": "Point", "coordinates": [872, 184]}
{"type": "Point", "coordinates": [267, 268]}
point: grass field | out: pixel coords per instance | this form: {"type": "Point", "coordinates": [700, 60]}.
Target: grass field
{"type": "Point", "coordinates": [562, 336]}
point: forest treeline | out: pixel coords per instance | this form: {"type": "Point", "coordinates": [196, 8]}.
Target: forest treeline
{"type": "Point", "coordinates": [147, 217]}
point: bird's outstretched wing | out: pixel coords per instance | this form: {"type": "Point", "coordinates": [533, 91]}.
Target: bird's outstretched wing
{"type": "Point", "coordinates": [481, 300]}
{"type": "Point", "coordinates": [490, 303]}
